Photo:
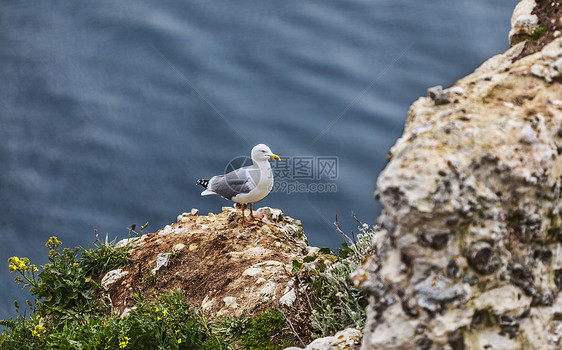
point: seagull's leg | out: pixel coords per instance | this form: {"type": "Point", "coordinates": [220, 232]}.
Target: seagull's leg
{"type": "Point", "coordinates": [252, 213]}
{"type": "Point", "coordinates": [255, 216]}
{"type": "Point", "coordinates": [247, 223]}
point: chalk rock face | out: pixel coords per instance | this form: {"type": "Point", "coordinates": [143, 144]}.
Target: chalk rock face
{"type": "Point", "coordinates": [522, 22]}
{"type": "Point", "coordinates": [469, 244]}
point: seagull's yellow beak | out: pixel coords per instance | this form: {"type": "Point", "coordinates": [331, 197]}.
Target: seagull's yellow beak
{"type": "Point", "coordinates": [274, 156]}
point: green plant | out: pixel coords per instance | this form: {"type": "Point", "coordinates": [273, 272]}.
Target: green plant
{"type": "Point", "coordinates": [149, 278]}
{"type": "Point", "coordinates": [538, 32]}
{"type": "Point", "coordinates": [106, 255]}
{"type": "Point", "coordinates": [167, 322]}
{"type": "Point", "coordinates": [265, 331]}
{"type": "Point", "coordinates": [63, 289]}
{"type": "Point", "coordinates": [335, 302]}
{"type": "Point", "coordinates": [262, 330]}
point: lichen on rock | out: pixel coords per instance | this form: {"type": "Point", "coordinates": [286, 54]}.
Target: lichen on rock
{"type": "Point", "coordinates": [468, 243]}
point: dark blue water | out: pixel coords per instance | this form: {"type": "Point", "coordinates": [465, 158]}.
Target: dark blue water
{"type": "Point", "coordinates": [110, 111]}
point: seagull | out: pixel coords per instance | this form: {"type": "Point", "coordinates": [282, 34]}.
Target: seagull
{"type": "Point", "coordinates": [246, 185]}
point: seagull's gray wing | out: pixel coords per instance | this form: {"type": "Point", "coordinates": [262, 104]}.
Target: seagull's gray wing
{"type": "Point", "coordinates": [233, 183]}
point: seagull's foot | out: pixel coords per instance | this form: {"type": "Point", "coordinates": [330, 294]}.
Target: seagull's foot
{"type": "Point", "coordinates": [254, 217]}
{"type": "Point", "coordinates": [247, 223]}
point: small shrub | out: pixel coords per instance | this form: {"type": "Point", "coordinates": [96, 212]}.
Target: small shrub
{"type": "Point", "coordinates": [335, 302]}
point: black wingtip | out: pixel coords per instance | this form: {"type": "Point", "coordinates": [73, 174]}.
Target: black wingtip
{"type": "Point", "coordinates": [203, 183]}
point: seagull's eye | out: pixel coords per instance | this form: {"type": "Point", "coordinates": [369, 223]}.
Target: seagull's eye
{"type": "Point", "coordinates": [263, 151]}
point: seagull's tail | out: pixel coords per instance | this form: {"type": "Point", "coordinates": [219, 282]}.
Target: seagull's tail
{"type": "Point", "coordinates": [203, 183]}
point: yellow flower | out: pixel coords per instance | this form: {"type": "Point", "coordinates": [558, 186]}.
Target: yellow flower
{"type": "Point", "coordinates": [38, 330]}
{"type": "Point", "coordinates": [165, 312]}
{"type": "Point", "coordinates": [179, 341]}
{"type": "Point", "coordinates": [22, 265]}
{"type": "Point", "coordinates": [14, 263]}
{"type": "Point", "coordinates": [123, 343]}
{"type": "Point", "coordinates": [53, 243]}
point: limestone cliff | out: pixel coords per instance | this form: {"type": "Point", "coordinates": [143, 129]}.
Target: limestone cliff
{"type": "Point", "coordinates": [469, 252]}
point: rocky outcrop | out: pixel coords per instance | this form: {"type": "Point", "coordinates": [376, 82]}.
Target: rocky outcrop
{"type": "Point", "coordinates": [523, 22]}
{"type": "Point", "coordinates": [223, 267]}
{"type": "Point", "coordinates": [469, 243]}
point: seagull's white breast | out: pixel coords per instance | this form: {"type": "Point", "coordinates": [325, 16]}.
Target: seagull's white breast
{"type": "Point", "coordinates": [262, 178]}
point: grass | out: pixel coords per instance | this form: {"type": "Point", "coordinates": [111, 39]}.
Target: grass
{"type": "Point", "coordinates": [106, 256]}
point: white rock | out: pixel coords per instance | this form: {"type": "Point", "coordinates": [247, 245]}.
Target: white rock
{"type": "Point", "coordinates": [391, 270]}
{"type": "Point", "coordinates": [270, 213]}
{"type": "Point", "coordinates": [181, 216]}
{"type": "Point", "coordinates": [342, 340]}
{"type": "Point", "coordinates": [491, 339]}
{"type": "Point", "coordinates": [230, 302]}
{"type": "Point", "coordinates": [289, 298]}
{"type": "Point", "coordinates": [268, 289]}
{"type": "Point", "coordinates": [449, 322]}
{"type": "Point", "coordinates": [507, 300]}
{"type": "Point", "coordinates": [161, 261]}
{"type": "Point", "coordinates": [131, 241]}
{"type": "Point", "coordinates": [178, 247]}
{"type": "Point", "coordinates": [111, 277]}
{"type": "Point", "coordinates": [528, 135]}
{"type": "Point", "coordinates": [312, 251]}
{"type": "Point", "coordinates": [554, 332]}
{"type": "Point", "coordinates": [207, 303]}
{"type": "Point", "coordinates": [166, 230]}
{"type": "Point", "coordinates": [558, 64]}
{"type": "Point", "coordinates": [522, 21]}
{"type": "Point", "coordinates": [394, 332]}
{"type": "Point", "coordinates": [127, 311]}
{"type": "Point", "coordinates": [457, 90]}
{"type": "Point", "coordinates": [252, 272]}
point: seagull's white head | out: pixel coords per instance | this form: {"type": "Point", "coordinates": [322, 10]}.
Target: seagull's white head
{"type": "Point", "coordinates": [262, 153]}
